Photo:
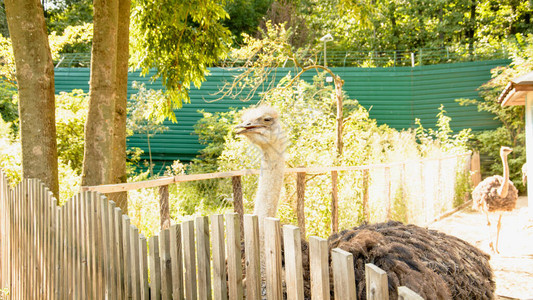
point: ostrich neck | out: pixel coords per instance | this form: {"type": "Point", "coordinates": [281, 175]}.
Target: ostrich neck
{"type": "Point", "coordinates": [504, 188]}
{"type": "Point", "coordinates": [270, 182]}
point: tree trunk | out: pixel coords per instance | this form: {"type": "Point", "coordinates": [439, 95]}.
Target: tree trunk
{"type": "Point", "coordinates": [119, 135]}
{"type": "Point", "coordinates": [35, 80]}
{"type": "Point", "coordinates": [97, 162]}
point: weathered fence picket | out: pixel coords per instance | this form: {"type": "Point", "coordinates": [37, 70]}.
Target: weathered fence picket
{"type": "Point", "coordinates": [87, 249]}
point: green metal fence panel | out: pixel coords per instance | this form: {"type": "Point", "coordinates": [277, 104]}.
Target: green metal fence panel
{"type": "Point", "coordinates": [394, 96]}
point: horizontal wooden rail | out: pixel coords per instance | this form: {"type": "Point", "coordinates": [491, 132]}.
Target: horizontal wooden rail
{"type": "Point", "coordinates": [122, 187]}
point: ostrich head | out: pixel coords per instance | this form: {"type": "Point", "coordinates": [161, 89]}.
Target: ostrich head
{"type": "Point", "coordinates": [504, 151]}
{"type": "Point", "coordinates": [262, 127]}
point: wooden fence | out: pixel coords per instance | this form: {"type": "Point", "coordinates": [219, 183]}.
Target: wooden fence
{"type": "Point", "coordinates": [87, 249]}
{"type": "Point", "coordinates": [430, 184]}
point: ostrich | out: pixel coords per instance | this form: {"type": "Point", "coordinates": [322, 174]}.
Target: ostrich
{"type": "Point", "coordinates": [433, 264]}
{"type": "Point", "coordinates": [496, 193]}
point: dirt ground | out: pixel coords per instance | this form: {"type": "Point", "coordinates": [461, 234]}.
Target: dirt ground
{"type": "Point", "coordinates": [513, 266]}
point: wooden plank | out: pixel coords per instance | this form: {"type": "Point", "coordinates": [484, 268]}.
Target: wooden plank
{"type": "Point", "coordinates": [91, 207]}
{"type": "Point", "coordinates": [176, 255]}
{"type": "Point", "coordinates": [68, 267]}
{"type": "Point", "coordinates": [343, 274]}
{"type": "Point", "coordinates": [252, 256]}
{"type": "Point", "coordinates": [220, 286]}
{"type": "Point", "coordinates": [273, 258]}
{"type": "Point", "coordinates": [119, 248]}
{"type": "Point", "coordinates": [238, 206]}
{"type": "Point", "coordinates": [16, 240]}
{"type": "Point", "coordinates": [47, 247]}
{"type": "Point", "coordinates": [76, 246]}
{"type": "Point", "coordinates": [28, 242]}
{"type": "Point", "coordinates": [189, 261]}
{"type": "Point", "coordinates": [126, 256]}
{"type": "Point", "coordinates": [475, 169]}
{"type": "Point", "coordinates": [293, 262]}
{"type": "Point", "coordinates": [300, 203]}
{"type": "Point", "coordinates": [82, 210]}
{"type": "Point", "coordinates": [164, 207]}
{"type": "Point", "coordinates": [166, 265]}
{"type": "Point", "coordinates": [143, 268]}
{"type": "Point", "coordinates": [101, 291]}
{"type": "Point", "coordinates": [135, 263]}
{"type": "Point", "coordinates": [203, 257]}
{"type": "Point", "coordinates": [376, 283]}
{"type": "Point", "coordinates": [155, 268]}
{"type": "Point", "coordinates": [233, 235]}
{"type": "Point", "coordinates": [112, 251]}
{"type": "Point", "coordinates": [405, 293]}
{"type": "Point", "coordinates": [105, 248]}
{"type": "Point", "coordinates": [334, 202]}
{"type": "Point", "coordinates": [319, 268]}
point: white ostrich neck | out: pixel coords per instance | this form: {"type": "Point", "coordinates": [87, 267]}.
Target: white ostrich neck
{"type": "Point", "coordinates": [270, 183]}
{"type": "Point", "coordinates": [504, 188]}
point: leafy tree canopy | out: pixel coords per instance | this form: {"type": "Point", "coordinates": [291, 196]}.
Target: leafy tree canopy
{"type": "Point", "coordinates": [179, 40]}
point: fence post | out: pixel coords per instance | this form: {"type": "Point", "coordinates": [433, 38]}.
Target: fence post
{"type": "Point", "coordinates": [189, 262]}
{"type": "Point", "coordinates": [176, 255]}
{"type": "Point", "coordinates": [220, 285]}
{"type": "Point", "coordinates": [376, 283]}
{"type": "Point", "coordinates": [300, 194]}
{"type": "Point", "coordinates": [319, 268]}
{"type": "Point", "coordinates": [334, 202]}
{"type": "Point", "coordinates": [155, 268]}
{"type": "Point", "coordinates": [203, 257]}
{"type": "Point", "coordinates": [238, 206]}
{"type": "Point", "coordinates": [166, 264]}
{"type": "Point", "coordinates": [343, 274]}
{"type": "Point", "coordinates": [293, 262]}
{"type": "Point", "coordinates": [252, 256]}
{"type": "Point", "coordinates": [404, 293]}
{"type": "Point", "coordinates": [273, 258]}
{"type": "Point", "coordinates": [366, 211]}
{"type": "Point", "coordinates": [475, 169]}
{"type": "Point", "coordinates": [233, 233]}
{"type": "Point", "coordinates": [164, 207]}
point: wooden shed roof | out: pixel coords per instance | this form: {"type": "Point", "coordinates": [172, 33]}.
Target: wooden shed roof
{"type": "Point", "coordinates": [516, 90]}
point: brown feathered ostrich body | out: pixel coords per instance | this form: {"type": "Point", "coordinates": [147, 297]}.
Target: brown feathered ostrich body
{"type": "Point", "coordinates": [433, 264]}
{"type": "Point", "coordinates": [496, 193]}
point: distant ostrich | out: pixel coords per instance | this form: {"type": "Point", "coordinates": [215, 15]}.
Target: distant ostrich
{"type": "Point", "coordinates": [433, 264]}
{"type": "Point", "coordinates": [496, 193]}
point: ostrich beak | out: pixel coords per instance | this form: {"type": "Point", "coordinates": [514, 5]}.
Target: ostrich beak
{"type": "Point", "coordinates": [246, 127]}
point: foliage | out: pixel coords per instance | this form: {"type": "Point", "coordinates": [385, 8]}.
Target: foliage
{"type": "Point", "coordinates": [10, 153]}
{"type": "Point", "coordinates": [144, 114]}
{"type": "Point", "coordinates": [444, 138]}
{"type": "Point", "coordinates": [477, 26]}
{"type": "Point", "coordinates": [308, 117]}
{"type": "Point", "coordinates": [73, 39]}
{"type": "Point", "coordinates": [7, 62]}
{"type": "Point", "coordinates": [179, 39]}
{"type": "Point", "coordinates": [244, 16]}
{"type": "Point", "coordinates": [71, 114]}
{"type": "Point", "coordinates": [11, 164]}
{"type": "Point", "coordinates": [511, 133]}
{"type": "Point", "coordinates": [65, 13]}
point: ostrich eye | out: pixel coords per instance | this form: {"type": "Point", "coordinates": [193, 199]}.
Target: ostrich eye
{"type": "Point", "coordinates": [267, 119]}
